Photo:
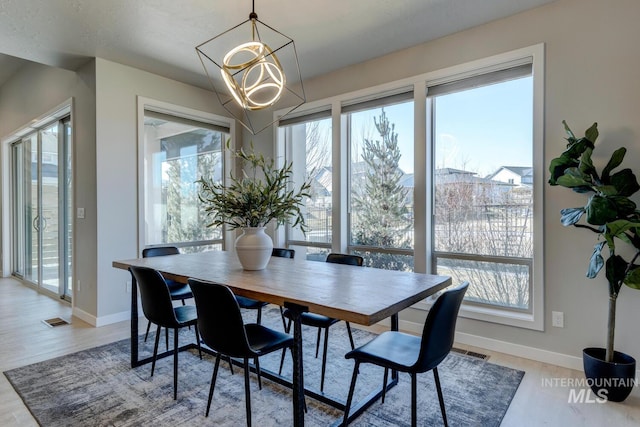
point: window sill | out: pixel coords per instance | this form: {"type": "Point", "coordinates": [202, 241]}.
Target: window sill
{"type": "Point", "coordinates": [493, 315]}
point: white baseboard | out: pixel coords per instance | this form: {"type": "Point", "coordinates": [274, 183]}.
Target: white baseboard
{"type": "Point", "coordinates": [83, 315]}
{"type": "Point", "coordinates": [537, 354]}
{"type": "Point", "coordinates": [113, 318]}
{"type": "Point", "coordinates": [101, 321]}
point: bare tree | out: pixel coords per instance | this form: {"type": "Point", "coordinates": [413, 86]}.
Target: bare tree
{"type": "Point", "coordinates": [477, 217]}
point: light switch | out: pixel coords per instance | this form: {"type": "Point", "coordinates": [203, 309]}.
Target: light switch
{"type": "Point", "coordinates": [80, 212]}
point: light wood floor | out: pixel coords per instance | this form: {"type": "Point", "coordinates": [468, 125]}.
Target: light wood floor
{"type": "Point", "coordinates": [24, 339]}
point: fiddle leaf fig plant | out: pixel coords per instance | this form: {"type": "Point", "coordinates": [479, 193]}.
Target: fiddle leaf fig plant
{"type": "Point", "coordinates": [608, 212]}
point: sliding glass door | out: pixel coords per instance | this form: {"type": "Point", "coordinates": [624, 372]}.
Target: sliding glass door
{"type": "Point", "coordinates": [41, 207]}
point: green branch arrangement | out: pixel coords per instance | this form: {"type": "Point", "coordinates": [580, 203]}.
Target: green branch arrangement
{"type": "Point", "coordinates": [250, 201]}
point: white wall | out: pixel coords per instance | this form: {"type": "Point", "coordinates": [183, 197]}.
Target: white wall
{"type": "Point", "coordinates": [105, 164]}
{"type": "Point", "coordinates": [592, 64]}
{"type": "Point", "coordinates": [32, 92]}
{"type": "Point", "coordinates": [117, 88]}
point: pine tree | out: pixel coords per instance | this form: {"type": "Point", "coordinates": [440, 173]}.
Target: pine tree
{"type": "Point", "coordinates": [184, 217]}
{"type": "Point", "coordinates": [379, 200]}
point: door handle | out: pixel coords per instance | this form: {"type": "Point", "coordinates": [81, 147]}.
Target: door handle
{"type": "Point", "coordinates": [35, 223]}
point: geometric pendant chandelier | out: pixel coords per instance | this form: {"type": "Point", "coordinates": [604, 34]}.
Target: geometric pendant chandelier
{"type": "Point", "coordinates": [254, 70]}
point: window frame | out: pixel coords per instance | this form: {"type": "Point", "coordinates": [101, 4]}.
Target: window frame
{"type": "Point", "coordinates": [534, 318]}
{"type": "Point", "coordinates": [147, 104]}
{"type": "Point", "coordinates": [380, 100]}
{"type": "Point", "coordinates": [64, 115]}
{"type": "Point", "coordinates": [423, 169]}
{"type": "Point", "coordinates": [284, 134]}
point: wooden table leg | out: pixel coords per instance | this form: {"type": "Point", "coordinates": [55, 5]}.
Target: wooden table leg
{"type": "Point", "coordinates": [298, 372]}
{"type": "Point", "coordinates": [134, 322]}
{"type": "Point", "coordinates": [394, 327]}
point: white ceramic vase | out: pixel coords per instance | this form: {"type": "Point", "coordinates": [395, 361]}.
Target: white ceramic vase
{"type": "Point", "coordinates": [254, 248]}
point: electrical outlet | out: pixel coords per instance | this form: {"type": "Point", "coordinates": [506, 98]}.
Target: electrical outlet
{"type": "Point", "coordinates": [128, 286]}
{"type": "Point", "coordinates": [557, 319]}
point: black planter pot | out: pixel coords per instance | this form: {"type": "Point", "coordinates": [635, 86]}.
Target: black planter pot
{"type": "Point", "coordinates": [611, 380]}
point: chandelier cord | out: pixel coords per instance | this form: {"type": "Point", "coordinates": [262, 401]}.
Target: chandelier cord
{"type": "Point", "coordinates": [253, 16]}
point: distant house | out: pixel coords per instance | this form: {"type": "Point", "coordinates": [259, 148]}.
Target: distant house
{"type": "Point", "coordinates": [451, 175]}
{"type": "Point", "coordinates": [505, 179]}
{"type": "Point", "coordinates": [517, 175]}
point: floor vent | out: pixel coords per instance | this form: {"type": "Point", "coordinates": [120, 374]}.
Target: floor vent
{"type": "Point", "coordinates": [56, 321]}
{"type": "Point", "coordinates": [470, 353]}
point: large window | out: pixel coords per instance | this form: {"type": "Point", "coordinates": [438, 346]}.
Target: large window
{"type": "Point", "coordinates": [483, 184]}
{"type": "Point", "coordinates": [177, 152]}
{"type": "Point", "coordinates": [447, 183]}
{"type": "Point", "coordinates": [307, 142]}
{"type": "Point", "coordinates": [380, 138]}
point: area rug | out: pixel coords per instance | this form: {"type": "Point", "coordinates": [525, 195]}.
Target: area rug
{"type": "Point", "coordinates": [97, 387]}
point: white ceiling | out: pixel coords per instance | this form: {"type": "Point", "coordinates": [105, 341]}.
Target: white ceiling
{"type": "Point", "coordinates": [160, 35]}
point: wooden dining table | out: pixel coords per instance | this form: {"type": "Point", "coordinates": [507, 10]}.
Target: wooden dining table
{"type": "Point", "coordinates": [360, 295]}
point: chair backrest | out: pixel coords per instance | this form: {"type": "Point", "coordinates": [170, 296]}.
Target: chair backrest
{"type": "Point", "coordinates": [345, 259]}
{"type": "Point", "coordinates": [160, 251]}
{"type": "Point", "coordinates": [155, 296]}
{"type": "Point", "coordinates": [439, 328]}
{"type": "Point", "coordinates": [219, 319]}
{"type": "Point", "coordinates": [283, 253]}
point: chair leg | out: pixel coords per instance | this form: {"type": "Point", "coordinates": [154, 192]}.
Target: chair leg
{"type": "Point", "coordinates": [259, 319]}
{"type": "Point", "coordinates": [183, 303]}
{"type": "Point", "coordinates": [230, 364]}
{"type": "Point", "coordinates": [287, 328]}
{"type": "Point", "coordinates": [284, 322]}
{"type": "Point", "coordinates": [324, 358]}
{"type": "Point", "coordinates": [384, 383]}
{"type": "Point", "coordinates": [198, 341]}
{"type": "Point", "coordinates": [350, 335]}
{"type": "Point", "coordinates": [284, 350]}
{"type": "Point", "coordinates": [247, 391]}
{"type": "Point", "coordinates": [352, 388]}
{"type": "Point", "coordinates": [146, 335]}
{"type": "Point", "coordinates": [175, 364]}
{"type": "Point", "coordinates": [414, 399]}
{"type": "Point", "coordinates": [213, 383]}
{"type": "Point", "coordinates": [166, 335]}
{"type": "Point", "coordinates": [155, 349]}
{"type": "Point", "coordinates": [440, 397]}
{"type": "Point", "coordinates": [318, 342]}
{"type": "Point", "coordinates": [257, 363]}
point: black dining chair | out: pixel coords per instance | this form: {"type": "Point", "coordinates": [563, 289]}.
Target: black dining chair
{"type": "Point", "coordinates": [323, 322]}
{"type": "Point", "coordinates": [412, 354]}
{"type": "Point", "coordinates": [158, 308]}
{"type": "Point", "coordinates": [283, 253]}
{"type": "Point", "coordinates": [252, 304]}
{"type": "Point", "coordinates": [222, 328]}
{"type": "Point", "coordinates": [178, 291]}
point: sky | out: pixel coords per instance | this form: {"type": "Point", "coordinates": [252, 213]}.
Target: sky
{"type": "Point", "coordinates": [478, 130]}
